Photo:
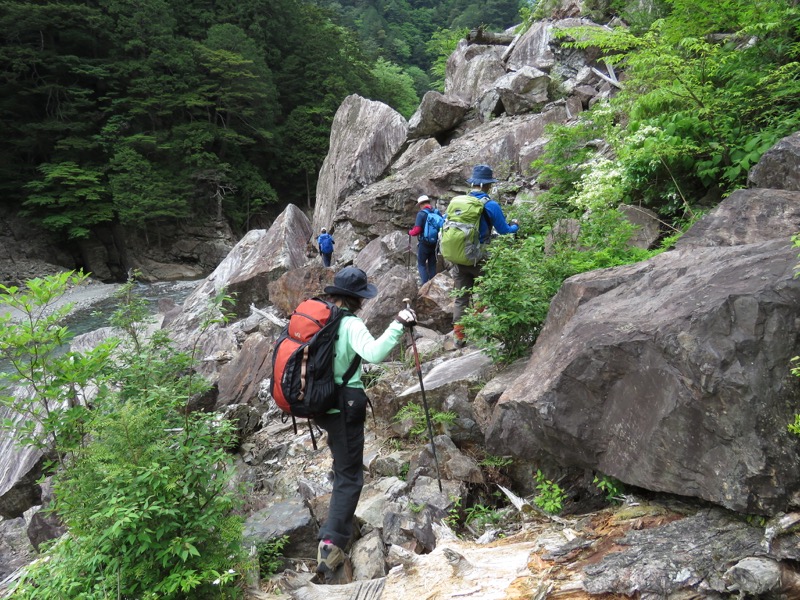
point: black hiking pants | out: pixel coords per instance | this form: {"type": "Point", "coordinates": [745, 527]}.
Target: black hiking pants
{"type": "Point", "coordinates": [346, 441]}
{"type": "Point", "coordinates": [464, 279]}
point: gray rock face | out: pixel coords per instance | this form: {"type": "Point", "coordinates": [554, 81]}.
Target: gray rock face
{"type": "Point", "coordinates": [471, 71]}
{"type": "Point", "coordinates": [15, 548]}
{"type": "Point", "coordinates": [393, 286]}
{"type": "Point", "coordinates": [437, 113]}
{"type": "Point", "coordinates": [533, 48]}
{"type": "Point", "coordinates": [747, 216]}
{"type": "Point", "coordinates": [290, 518]}
{"type": "Point", "coordinates": [779, 167]}
{"type": "Point", "coordinates": [259, 258]}
{"type": "Point", "coordinates": [365, 137]}
{"type": "Point", "coordinates": [523, 91]}
{"type": "Point", "coordinates": [646, 222]}
{"type": "Point", "coordinates": [672, 374]}
{"type": "Point", "coordinates": [20, 468]}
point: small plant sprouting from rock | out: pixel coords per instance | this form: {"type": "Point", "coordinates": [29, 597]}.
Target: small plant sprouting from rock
{"type": "Point", "coordinates": [270, 555]}
{"type": "Point", "coordinates": [416, 414]}
{"type": "Point", "coordinates": [496, 462]}
{"type": "Point", "coordinates": [612, 488]}
{"type": "Point", "coordinates": [550, 497]}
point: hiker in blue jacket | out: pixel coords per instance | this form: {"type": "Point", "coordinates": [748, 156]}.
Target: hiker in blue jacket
{"type": "Point", "coordinates": [491, 218]}
{"type": "Point", "coordinates": [426, 249]}
{"type": "Point", "coordinates": [325, 243]}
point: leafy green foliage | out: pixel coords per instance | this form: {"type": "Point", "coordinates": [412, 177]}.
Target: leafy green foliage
{"type": "Point", "coordinates": [146, 493]}
{"type": "Point", "coordinates": [708, 89]}
{"type": "Point", "coordinates": [612, 488]}
{"type": "Point", "coordinates": [550, 497]}
{"type": "Point", "coordinates": [453, 518]}
{"type": "Point", "coordinates": [69, 198]}
{"type": "Point", "coordinates": [46, 386]}
{"type": "Point", "coordinates": [520, 278]}
{"type": "Point", "coordinates": [393, 86]}
{"type": "Point", "coordinates": [440, 46]}
{"type": "Point", "coordinates": [270, 555]}
{"type": "Point", "coordinates": [416, 414]}
{"type": "Point", "coordinates": [480, 516]}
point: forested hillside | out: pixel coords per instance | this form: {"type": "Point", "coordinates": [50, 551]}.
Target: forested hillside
{"type": "Point", "coordinates": [146, 112]}
{"type": "Point", "coordinates": [408, 33]}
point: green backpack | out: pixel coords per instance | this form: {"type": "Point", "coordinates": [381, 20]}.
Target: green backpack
{"type": "Point", "coordinates": [461, 230]}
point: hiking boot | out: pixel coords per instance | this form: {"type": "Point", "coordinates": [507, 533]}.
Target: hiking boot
{"type": "Point", "coordinates": [329, 557]}
{"type": "Point", "coordinates": [458, 336]}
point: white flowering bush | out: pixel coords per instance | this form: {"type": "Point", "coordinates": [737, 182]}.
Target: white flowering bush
{"type": "Point", "coordinates": [601, 187]}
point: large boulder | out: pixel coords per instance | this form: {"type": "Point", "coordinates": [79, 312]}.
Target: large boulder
{"type": "Point", "coordinates": [259, 258]}
{"type": "Point", "coordinates": [516, 93]}
{"type": "Point", "coordinates": [472, 70]}
{"type": "Point", "coordinates": [673, 374]}
{"type": "Point", "coordinates": [365, 137]}
{"type": "Point", "coordinates": [779, 167]}
{"type": "Point", "coordinates": [436, 114]}
{"type": "Point", "coordinates": [20, 470]}
{"type": "Point", "coordinates": [388, 205]}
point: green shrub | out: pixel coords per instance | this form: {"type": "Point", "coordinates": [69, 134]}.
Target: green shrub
{"type": "Point", "coordinates": [416, 414]}
{"type": "Point", "coordinates": [550, 497]}
{"type": "Point", "coordinates": [519, 279]}
{"type": "Point", "coordinates": [611, 488]}
{"type": "Point", "coordinates": [270, 555]}
{"type": "Point", "coordinates": [145, 494]}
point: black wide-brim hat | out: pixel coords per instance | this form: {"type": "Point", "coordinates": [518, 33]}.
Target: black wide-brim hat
{"type": "Point", "coordinates": [351, 281]}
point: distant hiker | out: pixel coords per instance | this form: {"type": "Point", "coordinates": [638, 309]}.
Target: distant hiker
{"type": "Point", "coordinates": [427, 225]}
{"type": "Point", "coordinates": [345, 425]}
{"type": "Point", "coordinates": [325, 243]}
{"type": "Point", "coordinates": [468, 257]}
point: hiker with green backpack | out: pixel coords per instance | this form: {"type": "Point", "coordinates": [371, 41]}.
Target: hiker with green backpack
{"type": "Point", "coordinates": [465, 235]}
{"type": "Point", "coordinates": [427, 225]}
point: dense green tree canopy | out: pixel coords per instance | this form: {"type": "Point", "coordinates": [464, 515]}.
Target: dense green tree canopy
{"type": "Point", "coordinates": [141, 113]}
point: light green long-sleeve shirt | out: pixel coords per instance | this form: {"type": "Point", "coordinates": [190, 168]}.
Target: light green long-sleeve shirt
{"type": "Point", "coordinates": [354, 338]}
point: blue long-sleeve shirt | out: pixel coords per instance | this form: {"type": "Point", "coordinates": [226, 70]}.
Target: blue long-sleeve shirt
{"type": "Point", "coordinates": [492, 217]}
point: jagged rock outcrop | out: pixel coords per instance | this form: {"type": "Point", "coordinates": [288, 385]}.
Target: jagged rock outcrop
{"type": "Point", "coordinates": [779, 167]}
{"type": "Point", "coordinates": [673, 374]}
{"type": "Point", "coordinates": [472, 70]}
{"type": "Point", "coordinates": [388, 205]}
{"type": "Point", "coordinates": [437, 113]}
{"type": "Point", "coordinates": [516, 93]}
{"type": "Point", "coordinates": [354, 161]}
{"type": "Point", "coordinates": [259, 258]}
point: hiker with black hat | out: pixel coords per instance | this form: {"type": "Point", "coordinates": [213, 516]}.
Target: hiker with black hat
{"type": "Point", "coordinates": [345, 425]}
{"type": "Point", "coordinates": [426, 248]}
{"type": "Point", "coordinates": [492, 217]}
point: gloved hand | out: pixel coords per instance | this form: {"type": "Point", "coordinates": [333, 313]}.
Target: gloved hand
{"type": "Point", "coordinates": [406, 317]}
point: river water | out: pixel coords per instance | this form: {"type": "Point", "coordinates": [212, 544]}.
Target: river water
{"type": "Point", "coordinates": [95, 303]}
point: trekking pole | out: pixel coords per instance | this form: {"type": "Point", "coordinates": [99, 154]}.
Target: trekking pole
{"type": "Point", "coordinates": [408, 256]}
{"type": "Point", "coordinates": [424, 400]}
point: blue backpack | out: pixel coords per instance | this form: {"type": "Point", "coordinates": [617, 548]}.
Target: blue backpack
{"type": "Point", "coordinates": [433, 223]}
{"type": "Point", "coordinates": [325, 243]}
